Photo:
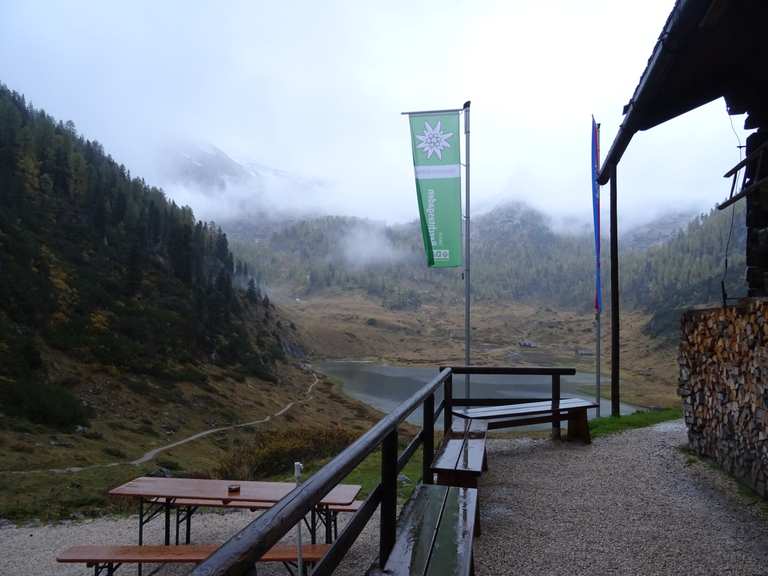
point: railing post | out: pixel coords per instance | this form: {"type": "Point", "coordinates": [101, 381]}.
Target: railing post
{"type": "Point", "coordinates": [428, 439]}
{"type": "Point", "coordinates": [388, 496]}
{"type": "Point", "coordinates": [556, 406]}
{"type": "Point", "coordinates": [448, 404]}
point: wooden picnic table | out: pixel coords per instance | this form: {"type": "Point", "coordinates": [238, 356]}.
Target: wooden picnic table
{"type": "Point", "coordinates": [161, 494]}
{"type": "Point", "coordinates": [148, 487]}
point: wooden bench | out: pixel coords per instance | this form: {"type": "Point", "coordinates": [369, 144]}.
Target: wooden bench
{"type": "Point", "coordinates": [434, 534]}
{"type": "Point", "coordinates": [110, 558]}
{"type": "Point", "coordinates": [574, 410]}
{"type": "Point", "coordinates": [461, 458]}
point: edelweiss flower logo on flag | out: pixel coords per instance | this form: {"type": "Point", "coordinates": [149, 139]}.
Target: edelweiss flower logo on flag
{"type": "Point", "coordinates": [434, 140]}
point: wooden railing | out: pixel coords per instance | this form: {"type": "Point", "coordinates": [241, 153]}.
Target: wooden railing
{"type": "Point", "coordinates": [237, 556]}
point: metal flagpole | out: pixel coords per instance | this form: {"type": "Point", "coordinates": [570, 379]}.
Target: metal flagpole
{"type": "Point", "coordinates": [597, 362]}
{"type": "Point", "coordinates": [598, 286]}
{"type": "Point", "coordinates": [467, 331]}
{"type": "Point", "coordinates": [297, 469]}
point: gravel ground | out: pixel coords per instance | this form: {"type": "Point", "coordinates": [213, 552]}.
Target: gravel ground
{"type": "Point", "coordinates": [628, 504]}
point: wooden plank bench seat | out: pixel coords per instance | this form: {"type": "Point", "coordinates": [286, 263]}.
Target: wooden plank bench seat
{"type": "Point", "coordinates": [109, 558]}
{"type": "Point", "coordinates": [461, 458]}
{"type": "Point", "coordinates": [434, 534]}
{"type": "Point", "coordinates": [574, 410]}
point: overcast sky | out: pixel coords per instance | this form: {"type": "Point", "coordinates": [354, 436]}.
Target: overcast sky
{"type": "Point", "coordinates": [316, 88]}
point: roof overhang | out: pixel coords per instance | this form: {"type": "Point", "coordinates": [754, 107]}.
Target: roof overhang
{"type": "Point", "coordinates": [707, 49]}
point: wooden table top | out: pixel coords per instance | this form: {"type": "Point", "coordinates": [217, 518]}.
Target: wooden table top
{"type": "Point", "coordinates": [204, 489]}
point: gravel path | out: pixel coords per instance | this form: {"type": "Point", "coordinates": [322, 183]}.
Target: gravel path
{"type": "Point", "coordinates": [628, 504]}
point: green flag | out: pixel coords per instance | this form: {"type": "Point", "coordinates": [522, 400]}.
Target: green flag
{"type": "Point", "coordinates": [435, 141]}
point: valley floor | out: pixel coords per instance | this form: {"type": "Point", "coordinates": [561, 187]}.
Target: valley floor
{"type": "Point", "coordinates": [350, 325]}
{"type": "Point", "coordinates": [633, 503]}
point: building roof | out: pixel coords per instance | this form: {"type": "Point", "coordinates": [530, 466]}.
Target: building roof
{"type": "Point", "coordinates": [707, 49]}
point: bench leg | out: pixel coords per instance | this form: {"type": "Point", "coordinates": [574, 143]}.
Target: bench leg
{"type": "Point", "coordinates": [578, 427]}
{"type": "Point", "coordinates": [328, 526]}
{"type": "Point", "coordinates": [485, 460]}
{"type": "Point", "coordinates": [313, 526]}
{"type": "Point", "coordinates": [109, 567]}
{"type": "Point", "coordinates": [478, 528]}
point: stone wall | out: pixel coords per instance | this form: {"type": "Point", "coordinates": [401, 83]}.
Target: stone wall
{"type": "Point", "coordinates": [724, 387]}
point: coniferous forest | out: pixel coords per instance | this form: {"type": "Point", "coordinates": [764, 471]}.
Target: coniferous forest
{"type": "Point", "coordinates": [100, 265]}
{"type": "Point", "coordinates": [516, 257]}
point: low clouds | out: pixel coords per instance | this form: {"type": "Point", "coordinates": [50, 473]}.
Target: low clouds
{"type": "Point", "coordinates": [315, 89]}
{"type": "Point", "coordinates": [369, 244]}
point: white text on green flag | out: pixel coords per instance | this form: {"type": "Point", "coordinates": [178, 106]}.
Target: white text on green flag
{"type": "Point", "coordinates": [436, 159]}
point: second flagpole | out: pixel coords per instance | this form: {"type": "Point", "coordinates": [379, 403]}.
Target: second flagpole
{"type": "Point", "coordinates": [467, 329]}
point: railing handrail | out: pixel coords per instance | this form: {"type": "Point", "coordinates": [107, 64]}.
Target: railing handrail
{"type": "Point", "coordinates": [512, 370]}
{"type": "Point", "coordinates": [241, 551]}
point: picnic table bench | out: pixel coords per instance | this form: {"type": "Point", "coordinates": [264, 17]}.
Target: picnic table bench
{"type": "Point", "coordinates": [109, 558]}
{"type": "Point", "coordinates": [434, 534]}
{"type": "Point", "coordinates": [161, 495]}
{"type": "Point", "coordinates": [158, 496]}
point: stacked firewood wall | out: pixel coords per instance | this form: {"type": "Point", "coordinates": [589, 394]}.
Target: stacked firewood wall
{"type": "Point", "coordinates": [724, 387]}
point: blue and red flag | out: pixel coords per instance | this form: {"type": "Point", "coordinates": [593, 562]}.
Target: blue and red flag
{"type": "Point", "coordinates": [596, 210]}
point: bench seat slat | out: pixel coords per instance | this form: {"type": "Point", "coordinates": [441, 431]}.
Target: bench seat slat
{"type": "Point", "coordinates": [416, 530]}
{"type": "Point", "coordinates": [461, 427]}
{"type": "Point", "coordinates": [434, 533]}
{"type": "Point", "coordinates": [452, 552]}
{"type": "Point", "coordinates": [522, 409]}
{"type": "Point", "coordinates": [128, 554]}
{"type": "Point", "coordinates": [354, 507]}
{"type": "Point", "coordinates": [183, 553]}
{"type": "Point", "coordinates": [464, 455]}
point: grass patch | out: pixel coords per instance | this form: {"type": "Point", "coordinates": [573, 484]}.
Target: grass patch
{"type": "Point", "coordinates": [269, 453]}
{"type": "Point", "coordinates": [610, 425]}
{"type": "Point", "coordinates": [368, 474]}
{"type": "Point", "coordinates": [52, 497]}
{"type": "Point", "coordinates": [114, 452]}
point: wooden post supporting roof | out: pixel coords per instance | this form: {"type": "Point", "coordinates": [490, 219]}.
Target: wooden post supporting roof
{"type": "Point", "coordinates": [615, 399]}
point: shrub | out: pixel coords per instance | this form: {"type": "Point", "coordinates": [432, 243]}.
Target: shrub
{"type": "Point", "coordinates": [271, 453]}
{"type": "Point", "coordinates": [114, 452]}
{"type": "Point", "coordinates": [44, 403]}
{"type": "Point", "coordinates": [168, 464]}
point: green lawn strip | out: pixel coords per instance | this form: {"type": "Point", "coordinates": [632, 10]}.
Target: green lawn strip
{"type": "Point", "coordinates": [641, 419]}
{"type": "Point", "coordinates": [50, 497]}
